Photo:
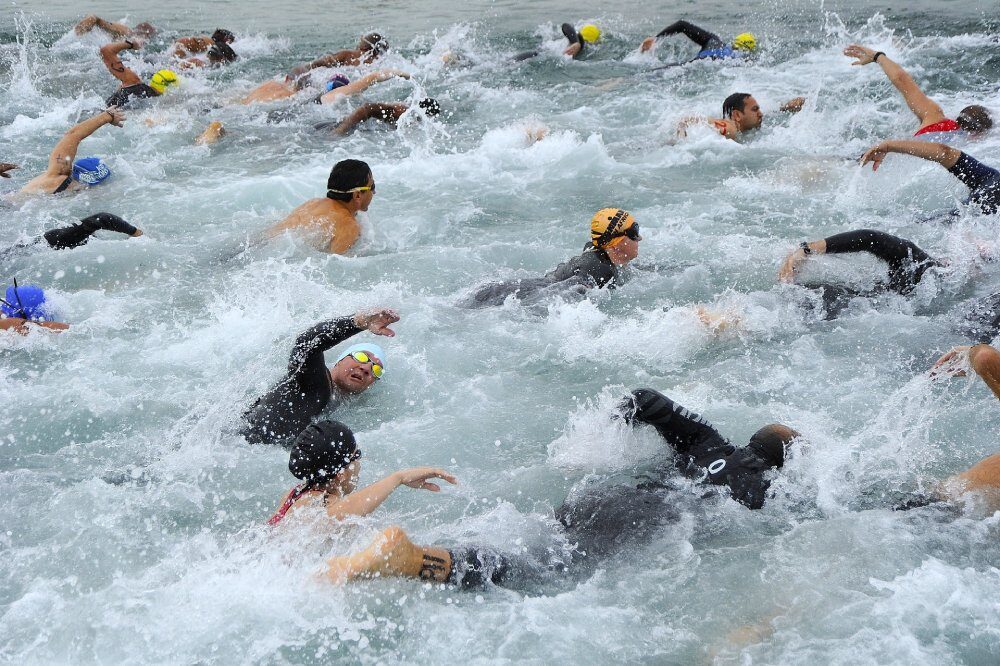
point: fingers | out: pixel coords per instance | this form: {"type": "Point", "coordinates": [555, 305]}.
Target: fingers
{"type": "Point", "coordinates": [433, 487]}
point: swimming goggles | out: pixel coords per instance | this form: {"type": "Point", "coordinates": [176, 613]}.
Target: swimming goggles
{"type": "Point", "coordinates": [364, 188]}
{"type": "Point", "coordinates": [362, 357]}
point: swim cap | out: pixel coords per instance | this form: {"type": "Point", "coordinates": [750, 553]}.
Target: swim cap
{"type": "Point", "coordinates": [607, 225]}
{"type": "Point", "coordinates": [321, 451]}
{"type": "Point", "coordinates": [769, 443]}
{"type": "Point", "coordinates": [90, 171]}
{"type": "Point", "coordinates": [369, 347]}
{"type": "Point", "coordinates": [24, 301]}
{"type": "Point", "coordinates": [336, 81]}
{"type": "Point", "coordinates": [430, 106]}
{"type": "Point", "coordinates": [745, 42]}
{"type": "Point", "coordinates": [162, 80]}
{"type": "Point", "coordinates": [224, 36]}
{"type": "Point", "coordinates": [590, 33]}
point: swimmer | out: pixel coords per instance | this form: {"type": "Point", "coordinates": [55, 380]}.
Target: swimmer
{"type": "Point", "coordinates": [705, 454]}
{"type": "Point", "coordinates": [370, 48]}
{"type": "Point", "coordinates": [132, 88]}
{"type": "Point", "coordinates": [63, 174]}
{"type": "Point", "coordinates": [386, 113]}
{"type": "Point", "coordinates": [588, 34]}
{"type": "Point", "coordinates": [339, 86]}
{"type": "Point", "coordinates": [118, 30]}
{"type": "Point", "coordinates": [24, 305]}
{"type": "Point", "coordinates": [711, 45]}
{"type": "Point", "coordinates": [983, 181]}
{"type": "Point", "coordinates": [331, 222]}
{"type": "Point", "coordinates": [974, 119]}
{"type": "Point", "coordinates": [740, 113]}
{"type": "Point", "coordinates": [614, 242]}
{"type": "Point", "coordinates": [309, 386]}
{"type": "Point", "coordinates": [5, 167]}
{"type": "Point", "coordinates": [187, 46]}
{"type": "Point", "coordinates": [211, 135]}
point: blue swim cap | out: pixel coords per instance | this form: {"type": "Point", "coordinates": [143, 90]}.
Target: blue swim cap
{"type": "Point", "coordinates": [369, 347]}
{"type": "Point", "coordinates": [90, 170]}
{"type": "Point", "coordinates": [28, 302]}
{"type": "Point", "coordinates": [336, 81]}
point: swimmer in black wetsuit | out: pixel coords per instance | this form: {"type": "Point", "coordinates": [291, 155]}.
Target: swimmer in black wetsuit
{"type": "Point", "coordinates": [575, 49]}
{"type": "Point", "coordinates": [308, 387]}
{"type": "Point", "coordinates": [710, 44]}
{"type": "Point", "coordinates": [983, 181]}
{"type": "Point", "coordinates": [76, 235]}
{"type": "Point", "coordinates": [614, 243]}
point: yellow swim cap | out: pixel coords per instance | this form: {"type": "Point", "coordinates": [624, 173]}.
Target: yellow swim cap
{"type": "Point", "coordinates": [608, 225]}
{"type": "Point", "coordinates": [745, 42]}
{"type": "Point", "coordinates": [162, 80]}
{"type": "Point", "coordinates": [590, 33]}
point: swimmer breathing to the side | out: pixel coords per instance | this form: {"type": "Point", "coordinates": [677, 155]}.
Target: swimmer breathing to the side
{"type": "Point", "coordinates": [132, 89]}
{"type": "Point", "coordinates": [578, 40]}
{"type": "Point", "coordinates": [711, 45]}
{"type": "Point", "coordinates": [65, 175]}
{"type": "Point", "coordinates": [740, 113]}
{"type": "Point", "coordinates": [370, 48]}
{"type": "Point", "coordinates": [331, 222]}
{"type": "Point", "coordinates": [24, 306]}
{"type": "Point", "coordinates": [216, 48]}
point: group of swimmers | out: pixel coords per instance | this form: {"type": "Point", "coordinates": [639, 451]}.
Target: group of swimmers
{"type": "Point", "coordinates": [324, 454]}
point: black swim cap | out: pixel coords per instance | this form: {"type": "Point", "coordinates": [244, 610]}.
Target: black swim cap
{"type": "Point", "coordinates": [321, 451]}
{"type": "Point", "coordinates": [770, 442]}
{"type": "Point", "coordinates": [430, 106]}
{"type": "Point", "coordinates": [224, 36]}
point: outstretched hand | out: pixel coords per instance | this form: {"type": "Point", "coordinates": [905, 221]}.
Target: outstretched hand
{"type": "Point", "coordinates": [875, 156]}
{"type": "Point", "coordinates": [417, 477]}
{"type": "Point", "coordinates": [377, 321]}
{"type": "Point", "coordinates": [5, 167]}
{"type": "Point", "coordinates": [954, 363]}
{"type": "Point", "coordinates": [117, 116]}
{"type": "Point", "coordinates": [787, 271]}
{"type": "Point", "coordinates": [864, 55]}
{"type": "Point", "coordinates": [793, 105]}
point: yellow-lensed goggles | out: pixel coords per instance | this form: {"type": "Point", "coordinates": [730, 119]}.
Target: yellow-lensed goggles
{"type": "Point", "coordinates": [362, 357]}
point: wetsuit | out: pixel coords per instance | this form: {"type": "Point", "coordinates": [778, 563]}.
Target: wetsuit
{"type": "Point", "coordinates": [592, 268]}
{"type": "Point", "coordinates": [711, 45]}
{"type": "Point", "coordinates": [571, 34]}
{"type": "Point", "coordinates": [983, 183]}
{"type": "Point", "coordinates": [78, 234]}
{"type": "Point", "coordinates": [124, 97]}
{"type": "Point", "coordinates": [907, 262]}
{"type": "Point", "coordinates": [288, 407]}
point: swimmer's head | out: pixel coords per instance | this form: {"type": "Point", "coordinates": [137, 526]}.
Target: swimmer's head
{"type": "Point", "coordinates": [430, 106]}
{"type": "Point", "coordinates": [336, 81]}
{"type": "Point", "coordinates": [224, 36]}
{"type": "Point", "coordinates": [590, 33]}
{"type": "Point", "coordinates": [744, 110]}
{"type": "Point", "coordinates": [745, 42]}
{"type": "Point", "coordinates": [162, 80]}
{"type": "Point", "coordinates": [374, 45]}
{"type": "Point", "coordinates": [771, 442]}
{"type": "Point", "coordinates": [144, 29]}
{"type": "Point", "coordinates": [220, 53]}
{"type": "Point", "coordinates": [24, 302]}
{"type": "Point", "coordinates": [90, 171]}
{"type": "Point", "coordinates": [975, 119]}
{"type": "Point", "coordinates": [351, 181]}
{"type": "Point", "coordinates": [616, 232]}
{"type": "Point", "coordinates": [358, 367]}
{"type": "Point", "coordinates": [323, 451]}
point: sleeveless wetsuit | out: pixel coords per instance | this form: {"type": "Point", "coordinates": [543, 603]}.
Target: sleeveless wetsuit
{"type": "Point", "coordinates": [293, 494]}
{"type": "Point", "coordinates": [288, 407]}
{"type": "Point", "coordinates": [123, 98]}
{"type": "Point", "coordinates": [946, 125]}
{"type": "Point", "coordinates": [983, 183]}
{"type": "Point", "coordinates": [78, 234]}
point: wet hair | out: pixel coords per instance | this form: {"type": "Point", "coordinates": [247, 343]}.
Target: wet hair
{"type": "Point", "coordinates": [975, 119]}
{"type": "Point", "coordinates": [220, 52]}
{"type": "Point", "coordinates": [734, 102]}
{"type": "Point", "coordinates": [346, 175]}
{"type": "Point", "coordinates": [374, 43]}
{"type": "Point", "coordinates": [771, 442]}
{"type": "Point", "coordinates": [224, 36]}
{"type": "Point", "coordinates": [322, 451]}
{"type": "Point", "coordinates": [430, 106]}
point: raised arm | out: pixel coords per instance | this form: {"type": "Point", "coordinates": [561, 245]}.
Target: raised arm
{"type": "Point", "coordinates": [983, 359]}
{"type": "Point", "coordinates": [109, 54]}
{"type": "Point", "coordinates": [61, 159]}
{"type": "Point", "coordinates": [923, 107]}
{"type": "Point", "coordinates": [91, 22]}
{"type": "Point", "coordinates": [944, 155]}
{"type": "Point", "coordinates": [327, 334]}
{"type": "Point", "coordinates": [793, 260]}
{"type": "Point", "coordinates": [388, 113]}
{"type": "Point", "coordinates": [366, 500]}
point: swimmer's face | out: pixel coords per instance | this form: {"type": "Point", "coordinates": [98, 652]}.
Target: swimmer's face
{"type": "Point", "coordinates": [347, 478]}
{"type": "Point", "coordinates": [624, 251]}
{"type": "Point", "coordinates": [750, 117]}
{"type": "Point", "coordinates": [365, 198]}
{"type": "Point", "coordinates": [351, 376]}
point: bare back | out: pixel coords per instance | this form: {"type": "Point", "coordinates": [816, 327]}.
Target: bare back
{"type": "Point", "coordinates": [329, 225]}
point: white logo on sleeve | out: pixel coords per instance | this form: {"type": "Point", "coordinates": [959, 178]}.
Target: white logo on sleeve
{"type": "Point", "coordinates": [717, 466]}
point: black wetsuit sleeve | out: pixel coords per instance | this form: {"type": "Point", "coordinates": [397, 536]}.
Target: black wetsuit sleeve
{"type": "Point", "coordinates": [687, 432]}
{"type": "Point", "coordinates": [310, 345]}
{"type": "Point", "coordinates": [983, 182]}
{"type": "Point", "coordinates": [78, 234]}
{"type": "Point", "coordinates": [699, 36]}
{"type": "Point", "coordinates": [906, 261]}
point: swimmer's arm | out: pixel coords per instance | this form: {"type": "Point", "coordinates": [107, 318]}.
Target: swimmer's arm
{"type": "Point", "coordinates": [793, 105]}
{"type": "Point", "coordinates": [388, 113]}
{"type": "Point", "coordinates": [944, 155]}
{"type": "Point", "coordinates": [362, 84]}
{"type": "Point", "coordinates": [90, 22]}
{"type": "Point", "coordinates": [573, 50]}
{"type": "Point", "coordinates": [793, 260]}
{"type": "Point", "coordinates": [345, 234]}
{"type": "Point", "coordinates": [62, 156]}
{"type": "Point", "coordinates": [328, 60]}
{"type": "Point", "coordinates": [320, 338]}
{"type": "Point", "coordinates": [923, 107]}
{"type": "Point", "coordinates": [19, 325]}
{"type": "Point", "coordinates": [366, 500]}
{"type": "Point", "coordinates": [109, 54]}
{"type": "Point", "coordinates": [985, 361]}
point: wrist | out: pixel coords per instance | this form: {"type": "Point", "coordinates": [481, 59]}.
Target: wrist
{"type": "Point", "coordinates": [806, 249]}
{"type": "Point", "coordinates": [877, 55]}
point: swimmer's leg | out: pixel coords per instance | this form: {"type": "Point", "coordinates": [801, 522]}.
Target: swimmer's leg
{"type": "Point", "coordinates": [212, 133]}
{"type": "Point", "coordinates": [392, 554]}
